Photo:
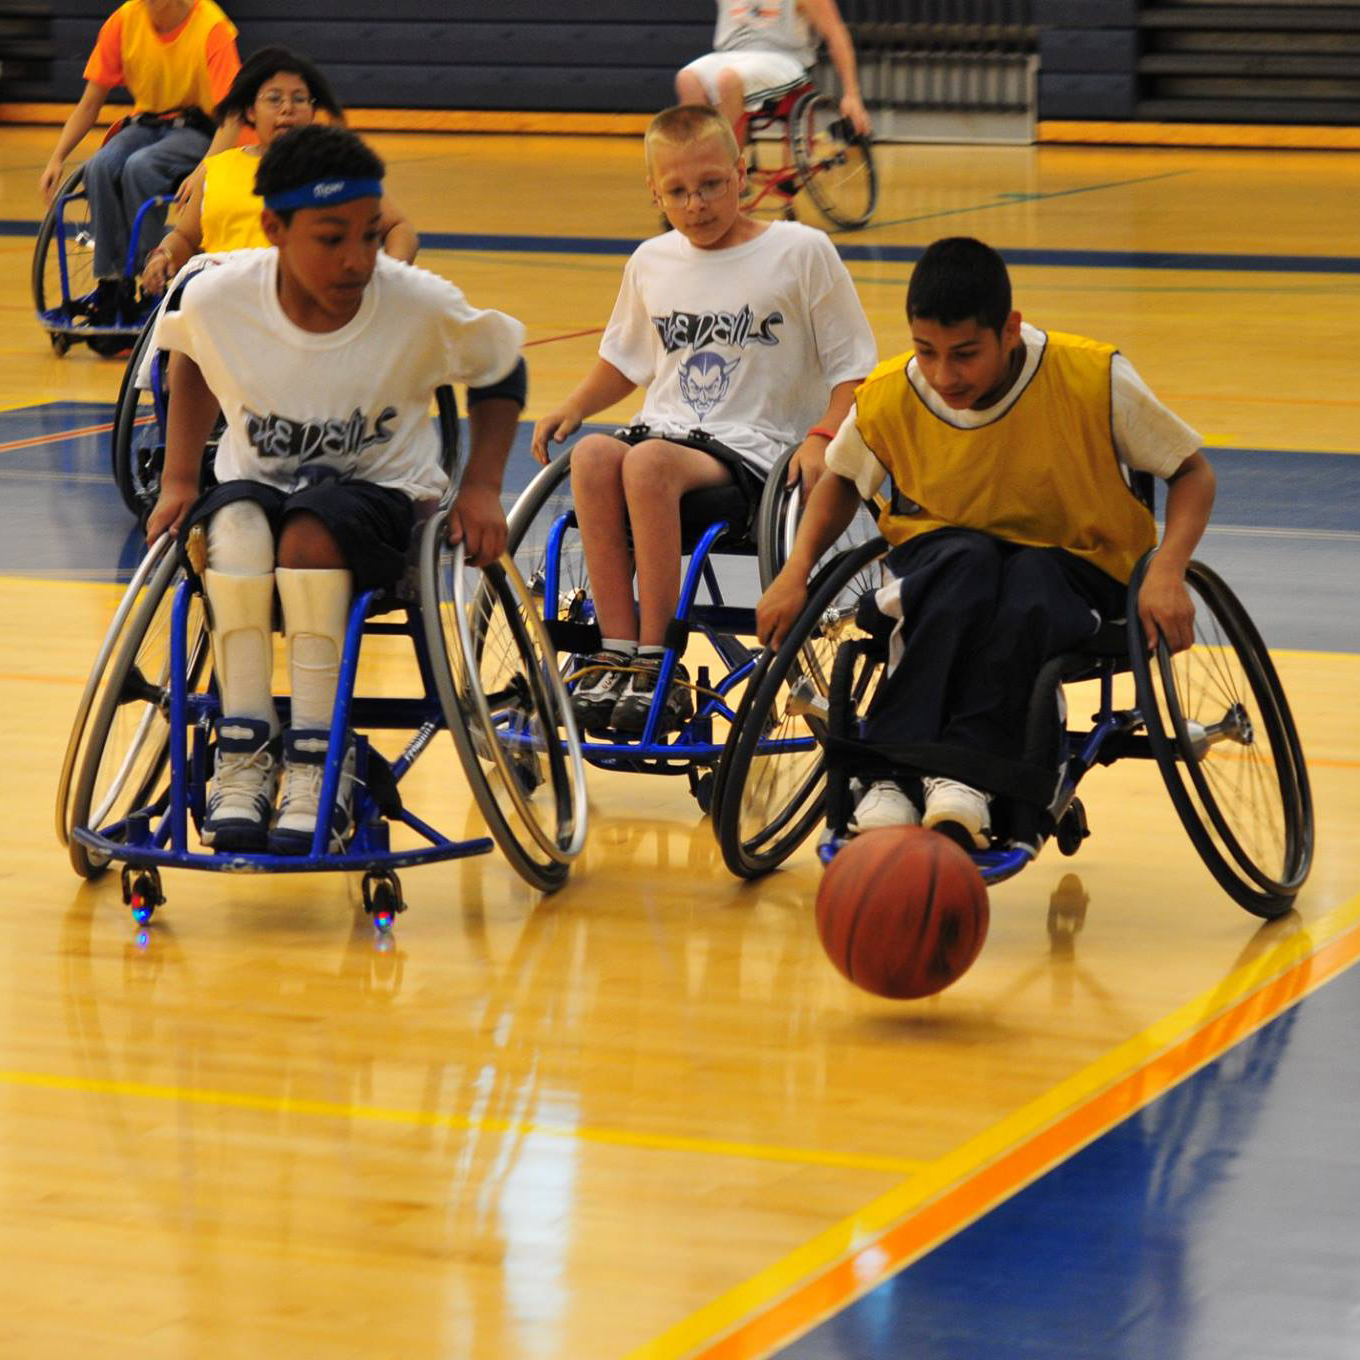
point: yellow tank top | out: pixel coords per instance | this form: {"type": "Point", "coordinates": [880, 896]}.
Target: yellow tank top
{"type": "Point", "coordinates": [1044, 474]}
{"type": "Point", "coordinates": [231, 209]}
{"type": "Point", "coordinates": [164, 76]}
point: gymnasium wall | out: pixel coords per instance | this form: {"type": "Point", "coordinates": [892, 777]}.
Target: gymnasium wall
{"type": "Point", "coordinates": [587, 55]}
{"type": "Point", "coordinates": [1226, 61]}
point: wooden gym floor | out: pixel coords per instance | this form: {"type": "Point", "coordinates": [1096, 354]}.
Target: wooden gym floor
{"type": "Point", "coordinates": [645, 1117]}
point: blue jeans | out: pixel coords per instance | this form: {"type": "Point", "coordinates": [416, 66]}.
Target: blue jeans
{"type": "Point", "coordinates": [137, 164]}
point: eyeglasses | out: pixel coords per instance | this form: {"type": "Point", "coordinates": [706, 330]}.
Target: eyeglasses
{"type": "Point", "coordinates": [709, 191]}
{"type": "Point", "coordinates": [274, 100]}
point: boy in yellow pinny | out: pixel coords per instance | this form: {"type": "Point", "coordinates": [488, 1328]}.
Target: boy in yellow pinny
{"type": "Point", "coordinates": [1013, 525]}
{"type": "Point", "coordinates": [274, 93]}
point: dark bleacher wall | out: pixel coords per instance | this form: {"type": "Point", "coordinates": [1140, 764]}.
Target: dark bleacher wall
{"type": "Point", "coordinates": [585, 55]}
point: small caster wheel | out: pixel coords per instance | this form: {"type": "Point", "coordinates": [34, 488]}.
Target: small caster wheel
{"type": "Point", "coordinates": [382, 900]}
{"type": "Point", "coordinates": [142, 892]}
{"type": "Point", "coordinates": [701, 786]}
{"type": "Point", "coordinates": [61, 342]}
{"type": "Point", "coordinates": [1072, 828]}
{"type": "Point", "coordinates": [527, 775]}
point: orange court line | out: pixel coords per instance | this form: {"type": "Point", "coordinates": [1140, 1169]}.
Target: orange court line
{"type": "Point", "coordinates": [570, 335]}
{"type": "Point", "coordinates": [834, 1288]}
{"type": "Point", "coordinates": [58, 437]}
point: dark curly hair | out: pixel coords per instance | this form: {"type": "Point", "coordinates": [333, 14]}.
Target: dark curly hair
{"type": "Point", "coordinates": [960, 279]}
{"type": "Point", "coordinates": [263, 66]}
{"type": "Point", "coordinates": [311, 153]}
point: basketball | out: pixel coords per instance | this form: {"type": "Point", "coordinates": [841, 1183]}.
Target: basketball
{"type": "Point", "coordinates": [902, 912]}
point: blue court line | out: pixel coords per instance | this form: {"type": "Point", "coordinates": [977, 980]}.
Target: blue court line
{"type": "Point", "coordinates": [1215, 1222]}
{"type": "Point", "coordinates": [1080, 259]}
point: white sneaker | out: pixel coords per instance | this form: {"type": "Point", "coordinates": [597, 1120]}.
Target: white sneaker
{"type": "Point", "coordinates": [245, 779]}
{"type": "Point", "coordinates": [883, 805]}
{"type": "Point", "coordinates": [949, 801]}
{"type": "Point", "coordinates": [304, 768]}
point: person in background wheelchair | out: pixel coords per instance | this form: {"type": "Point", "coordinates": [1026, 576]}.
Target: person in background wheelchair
{"type": "Point", "coordinates": [749, 339]}
{"type": "Point", "coordinates": [177, 59]}
{"type": "Point", "coordinates": [322, 355]}
{"type": "Point", "coordinates": [275, 92]}
{"type": "Point", "coordinates": [1013, 526]}
{"type": "Point", "coordinates": [762, 50]}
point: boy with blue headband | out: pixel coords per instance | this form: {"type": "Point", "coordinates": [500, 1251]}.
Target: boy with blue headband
{"type": "Point", "coordinates": [322, 355]}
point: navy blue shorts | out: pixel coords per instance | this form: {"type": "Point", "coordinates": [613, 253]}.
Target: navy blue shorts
{"type": "Point", "coordinates": [371, 524]}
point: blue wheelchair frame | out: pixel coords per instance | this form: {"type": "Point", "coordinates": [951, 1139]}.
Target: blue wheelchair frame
{"type": "Point", "coordinates": [63, 323]}
{"type": "Point", "coordinates": [157, 836]}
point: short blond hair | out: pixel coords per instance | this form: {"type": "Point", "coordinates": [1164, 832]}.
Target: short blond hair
{"type": "Point", "coordinates": [685, 124]}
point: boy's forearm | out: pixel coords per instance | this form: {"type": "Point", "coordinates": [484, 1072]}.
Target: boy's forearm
{"type": "Point", "coordinates": [600, 388]}
{"type": "Point", "coordinates": [193, 411]}
{"type": "Point", "coordinates": [82, 119]}
{"type": "Point", "coordinates": [840, 47]}
{"type": "Point", "coordinates": [491, 431]}
{"type": "Point", "coordinates": [1189, 502]}
{"type": "Point", "coordinates": [838, 407]}
{"type": "Point", "coordinates": [830, 508]}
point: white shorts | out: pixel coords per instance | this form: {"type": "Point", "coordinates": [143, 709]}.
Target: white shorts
{"type": "Point", "coordinates": [763, 74]}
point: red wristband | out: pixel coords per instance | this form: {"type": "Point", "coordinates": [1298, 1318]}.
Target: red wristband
{"type": "Point", "coordinates": [825, 434]}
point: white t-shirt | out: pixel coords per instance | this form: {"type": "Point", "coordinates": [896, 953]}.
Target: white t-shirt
{"type": "Point", "coordinates": [770, 25]}
{"type": "Point", "coordinates": [1147, 436]}
{"type": "Point", "coordinates": [744, 343]}
{"type": "Point", "coordinates": [357, 399]}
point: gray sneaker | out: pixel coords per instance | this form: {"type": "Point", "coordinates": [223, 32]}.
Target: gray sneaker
{"type": "Point", "coordinates": [630, 712]}
{"type": "Point", "coordinates": [304, 768]}
{"type": "Point", "coordinates": [603, 679]}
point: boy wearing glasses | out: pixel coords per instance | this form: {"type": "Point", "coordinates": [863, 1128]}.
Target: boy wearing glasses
{"type": "Point", "coordinates": [749, 338]}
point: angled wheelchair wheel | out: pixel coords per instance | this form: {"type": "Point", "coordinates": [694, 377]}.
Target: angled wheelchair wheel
{"type": "Point", "coordinates": [506, 707]}
{"type": "Point", "coordinates": [771, 782]}
{"type": "Point", "coordinates": [835, 165]}
{"type": "Point", "coordinates": [138, 441]}
{"type": "Point", "coordinates": [49, 300]}
{"type": "Point", "coordinates": [117, 759]}
{"type": "Point", "coordinates": [1229, 753]}
{"type": "Point", "coordinates": [781, 510]}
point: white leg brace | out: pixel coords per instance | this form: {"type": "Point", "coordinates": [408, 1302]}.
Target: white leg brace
{"type": "Point", "coordinates": [239, 584]}
{"type": "Point", "coordinates": [315, 613]}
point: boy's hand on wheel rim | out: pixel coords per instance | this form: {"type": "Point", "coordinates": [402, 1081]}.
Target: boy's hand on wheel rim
{"type": "Point", "coordinates": [477, 521]}
{"type": "Point", "coordinates": [1165, 609]}
{"type": "Point", "coordinates": [779, 608]}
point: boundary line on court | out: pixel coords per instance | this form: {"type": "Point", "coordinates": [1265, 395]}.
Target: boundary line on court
{"type": "Point", "coordinates": [891, 254]}
{"type": "Point", "coordinates": [851, 1258]}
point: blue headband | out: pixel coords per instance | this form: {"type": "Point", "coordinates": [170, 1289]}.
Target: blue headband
{"type": "Point", "coordinates": [323, 193]}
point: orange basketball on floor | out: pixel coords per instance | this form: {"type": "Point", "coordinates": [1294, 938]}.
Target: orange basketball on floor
{"type": "Point", "coordinates": [902, 912]}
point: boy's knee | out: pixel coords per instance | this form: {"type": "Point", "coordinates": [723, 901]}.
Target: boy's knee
{"type": "Point", "coordinates": [240, 541]}
{"type": "Point", "coordinates": [307, 544]}
{"type": "Point", "coordinates": [650, 469]}
{"type": "Point", "coordinates": [595, 459]}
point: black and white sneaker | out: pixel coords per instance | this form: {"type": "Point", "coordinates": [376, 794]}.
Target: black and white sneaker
{"type": "Point", "coordinates": [304, 768]}
{"type": "Point", "coordinates": [630, 712]}
{"type": "Point", "coordinates": [602, 680]}
{"type": "Point", "coordinates": [241, 792]}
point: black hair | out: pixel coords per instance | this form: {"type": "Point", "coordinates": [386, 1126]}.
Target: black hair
{"type": "Point", "coordinates": [315, 152]}
{"type": "Point", "coordinates": [960, 279]}
{"type": "Point", "coordinates": [262, 67]}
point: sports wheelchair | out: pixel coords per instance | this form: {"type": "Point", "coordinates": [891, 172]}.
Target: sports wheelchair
{"type": "Point", "coordinates": [63, 273]}
{"type": "Point", "coordinates": [1214, 718]}
{"type": "Point", "coordinates": [732, 554]}
{"type": "Point", "coordinates": [140, 753]}
{"type": "Point", "coordinates": [817, 151]}
{"type": "Point", "coordinates": [137, 437]}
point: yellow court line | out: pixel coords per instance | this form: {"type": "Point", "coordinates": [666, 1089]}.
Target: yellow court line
{"type": "Point", "coordinates": [853, 1243]}
{"type": "Point", "coordinates": [378, 1114]}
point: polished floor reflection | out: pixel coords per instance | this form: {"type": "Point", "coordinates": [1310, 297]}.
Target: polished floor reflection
{"type": "Point", "coordinates": [640, 1117]}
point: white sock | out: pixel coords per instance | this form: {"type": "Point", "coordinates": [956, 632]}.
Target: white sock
{"type": "Point", "coordinates": [315, 616]}
{"type": "Point", "coordinates": [624, 645]}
